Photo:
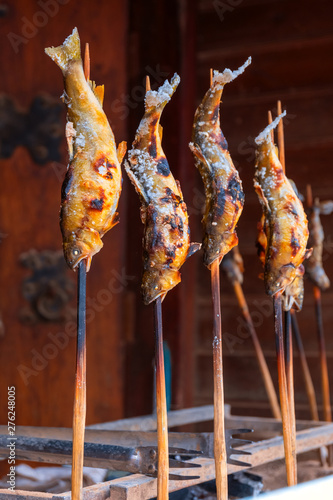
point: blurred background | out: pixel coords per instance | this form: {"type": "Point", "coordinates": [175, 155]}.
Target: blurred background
{"type": "Point", "coordinates": [291, 45]}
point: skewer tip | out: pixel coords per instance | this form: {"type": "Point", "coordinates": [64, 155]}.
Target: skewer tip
{"type": "Point", "coordinates": [87, 62]}
{"type": "Point", "coordinates": [309, 197]}
{"type": "Point", "coordinates": [148, 87]}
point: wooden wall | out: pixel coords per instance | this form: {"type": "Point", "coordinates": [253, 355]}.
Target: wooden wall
{"type": "Point", "coordinates": [29, 201]}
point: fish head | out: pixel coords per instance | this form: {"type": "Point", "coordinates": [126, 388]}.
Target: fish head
{"type": "Point", "coordinates": [277, 280]}
{"type": "Point", "coordinates": [157, 282]}
{"type": "Point", "coordinates": [81, 246]}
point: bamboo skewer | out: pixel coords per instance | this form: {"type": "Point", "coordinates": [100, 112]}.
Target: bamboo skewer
{"type": "Point", "coordinates": [283, 390]}
{"type": "Point", "coordinates": [268, 382]}
{"type": "Point", "coordinates": [309, 387]}
{"type": "Point", "coordinates": [80, 392]}
{"type": "Point", "coordinates": [280, 134]}
{"type": "Point", "coordinates": [290, 385]}
{"type": "Point", "coordinates": [286, 382]}
{"type": "Point", "coordinates": [161, 404]}
{"type": "Point", "coordinates": [323, 358]}
{"type": "Point", "coordinates": [79, 418]}
{"type": "Point", "coordinates": [86, 66]}
{"type": "Point", "coordinates": [305, 369]}
{"type": "Point", "coordinates": [220, 452]}
{"type": "Point", "coordinates": [161, 407]}
{"type": "Point", "coordinates": [321, 339]}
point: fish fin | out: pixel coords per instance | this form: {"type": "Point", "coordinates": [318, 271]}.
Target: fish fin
{"type": "Point", "coordinates": [67, 52]}
{"type": "Point", "coordinates": [199, 154]}
{"type": "Point", "coordinates": [70, 133]}
{"type": "Point", "coordinates": [160, 131]}
{"type": "Point", "coordinates": [99, 93]}
{"type": "Point", "coordinates": [194, 247]}
{"type": "Point", "coordinates": [111, 223]}
{"type": "Point", "coordinates": [121, 149]}
{"type": "Point", "coordinates": [261, 196]}
{"type": "Point", "coordinates": [136, 183]}
{"type": "Point", "coordinates": [179, 189]}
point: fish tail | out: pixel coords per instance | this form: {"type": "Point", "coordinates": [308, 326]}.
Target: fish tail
{"type": "Point", "coordinates": [220, 79]}
{"type": "Point", "coordinates": [159, 98]}
{"type": "Point", "coordinates": [265, 134]}
{"type": "Point", "coordinates": [67, 52]}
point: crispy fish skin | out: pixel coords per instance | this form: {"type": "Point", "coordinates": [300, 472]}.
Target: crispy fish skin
{"type": "Point", "coordinates": [166, 242]}
{"type": "Point", "coordinates": [286, 223]}
{"type": "Point", "coordinates": [92, 185]}
{"type": "Point", "coordinates": [314, 265]}
{"type": "Point", "coordinates": [223, 187]}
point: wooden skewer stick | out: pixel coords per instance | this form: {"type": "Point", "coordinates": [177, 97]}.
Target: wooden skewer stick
{"type": "Point", "coordinates": [161, 408]}
{"type": "Point", "coordinates": [305, 368]}
{"type": "Point", "coordinates": [79, 418]}
{"type": "Point", "coordinates": [309, 387]}
{"type": "Point", "coordinates": [268, 382]}
{"type": "Point", "coordinates": [80, 396]}
{"type": "Point", "coordinates": [323, 358]}
{"type": "Point", "coordinates": [220, 452]}
{"type": "Point", "coordinates": [86, 67]}
{"type": "Point", "coordinates": [161, 405]}
{"type": "Point", "coordinates": [281, 138]}
{"type": "Point", "coordinates": [290, 385]}
{"type": "Point", "coordinates": [290, 465]}
{"type": "Point", "coordinates": [292, 458]}
{"type": "Point", "coordinates": [321, 337]}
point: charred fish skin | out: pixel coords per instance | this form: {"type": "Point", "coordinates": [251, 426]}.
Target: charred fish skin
{"type": "Point", "coordinates": [223, 187]}
{"type": "Point", "coordinates": [314, 265]}
{"type": "Point", "coordinates": [286, 223]}
{"type": "Point", "coordinates": [166, 242]}
{"type": "Point", "coordinates": [92, 185]}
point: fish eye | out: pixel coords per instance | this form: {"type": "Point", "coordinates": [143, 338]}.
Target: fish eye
{"type": "Point", "coordinates": [76, 252]}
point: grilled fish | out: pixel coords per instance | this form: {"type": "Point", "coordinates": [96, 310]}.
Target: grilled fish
{"type": "Point", "coordinates": [286, 223]}
{"type": "Point", "coordinates": [166, 242]}
{"type": "Point", "coordinates": [314, 265]}
{"type": "Point", "coordinates": [223, 187]}
{"type": "Point", "coordinates": [92, 185]}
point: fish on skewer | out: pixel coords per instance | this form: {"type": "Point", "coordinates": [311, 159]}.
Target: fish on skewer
{"type": "Point", "coordinates": [89, 199]}
{"type": "Point", "coordinates": [92, 185]}
{"type": "Point", "coordinates": [314, 265]}
{"type": "Point", "coordinates": [223, 187]}
{"type": "Point", "coordinates": [286, 224]}
{"type": "Point", "coordinates": [166, 243]}
{"type": "Point", "coordinates": [224, 205]}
